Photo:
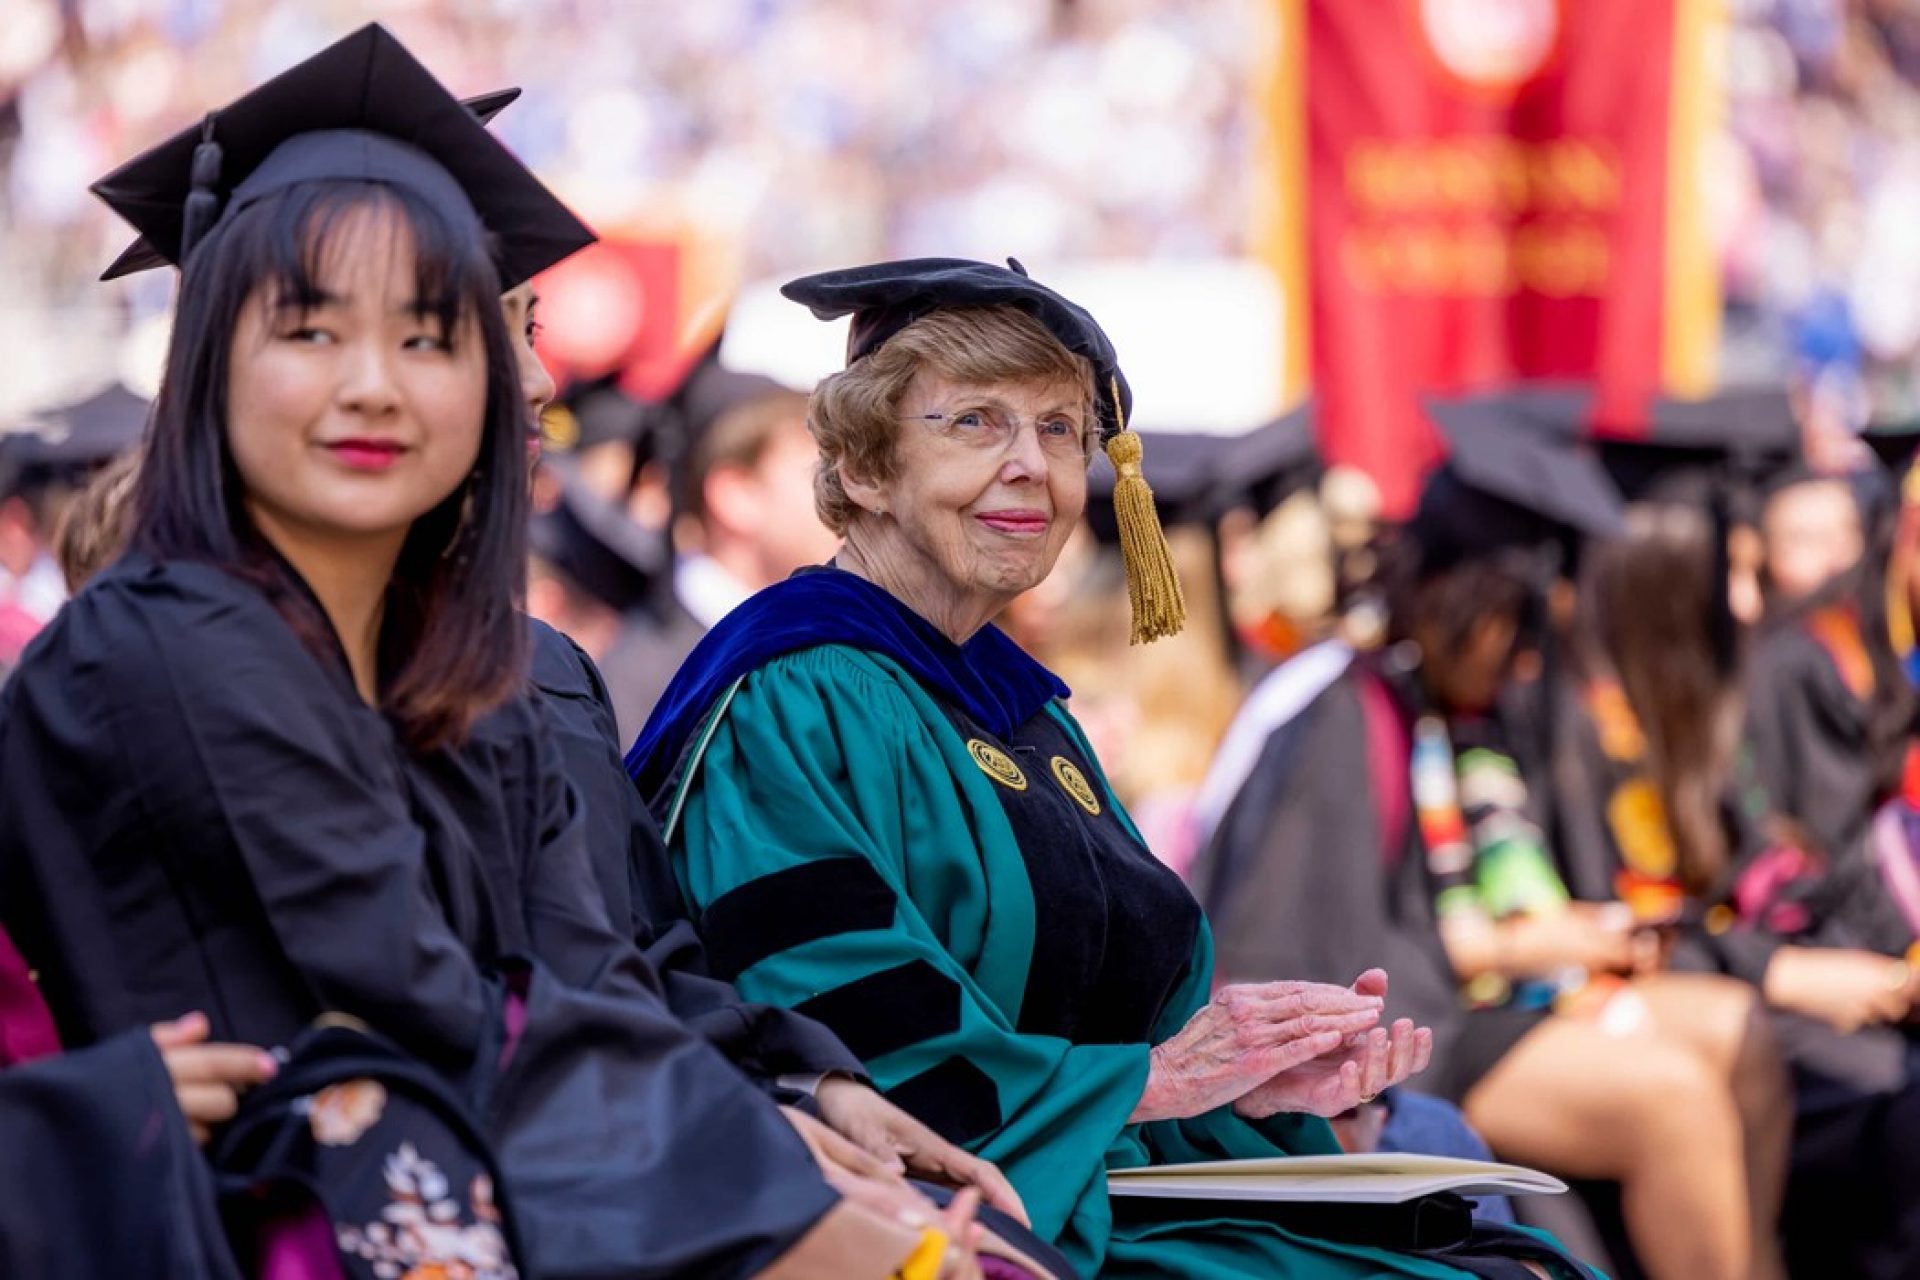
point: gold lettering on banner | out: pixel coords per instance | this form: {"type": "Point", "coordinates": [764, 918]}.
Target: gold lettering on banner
{"type": "Point", "coordinates": [1481, 217]}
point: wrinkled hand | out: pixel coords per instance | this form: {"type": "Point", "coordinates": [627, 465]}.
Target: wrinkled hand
{"type": "Point", "coordinates": [1248, 1034]}
{"type": "Point", "coordinates": [208, 1079]}
{"type": "Point", "coordinates": [1847, 990]}
{"type": "Point", "coordinates": [904, 1145]}
{"type": "Point", "coordinates": [1340, 1081]}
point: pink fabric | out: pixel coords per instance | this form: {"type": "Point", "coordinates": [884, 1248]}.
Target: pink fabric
{"type": "Point", "coordinates": [17, 628]}
{"type": "Point", "coordinates": [516, 1020]}
{"type": "Point", "coordinates": [299, 1246]}
{"type": "Point", "coordinates": [1001, 1269]}
{"type": "Point", "coordinates": [26, 1028]}
{"type": "Point", "coordinates": [1896, 845]}
{"type": "Point", "coordinates": [1388, 750]}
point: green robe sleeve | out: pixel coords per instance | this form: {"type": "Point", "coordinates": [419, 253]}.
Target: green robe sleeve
{"type": "Point", "coordinates": [849, 859]}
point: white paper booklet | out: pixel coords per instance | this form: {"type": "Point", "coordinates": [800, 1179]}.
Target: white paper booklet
{"type": "Point", "coordinates": [1348, 1179]}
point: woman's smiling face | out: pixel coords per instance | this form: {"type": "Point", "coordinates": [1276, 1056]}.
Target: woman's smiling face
{"type": "Point", "coordinates": [989, 483]}
{"type": "Point", "coordinates": [357, 414]}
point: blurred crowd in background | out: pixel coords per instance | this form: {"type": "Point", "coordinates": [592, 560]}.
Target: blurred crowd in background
{"type": "Point", "coordinates": [1069, 130]}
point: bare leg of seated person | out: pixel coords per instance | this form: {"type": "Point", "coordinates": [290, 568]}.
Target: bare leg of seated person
{"type": "Point", "coordinates": [1726, 1023]}
{"type": "Point", "coordinates": [1641, 1110]}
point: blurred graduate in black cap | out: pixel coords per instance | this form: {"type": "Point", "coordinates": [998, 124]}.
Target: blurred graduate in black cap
{"type": "Point", "coordinates": [43, 464]}
{"type": "Point", "coordinates": [284, 674]}
{"type": "Point", "coordinates": [1386, 816]}
{"type": "Point", "coordinates": [743, 519]}
{"type": "Point", "coordinates": [1258, 566]}
{"type": "Point", "coordinates": [1830, 708]}
{"type": "Point", "coordinates": [1655, 805]}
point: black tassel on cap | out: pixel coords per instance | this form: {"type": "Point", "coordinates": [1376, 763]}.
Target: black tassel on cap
{"type": "Point", "coordinates": [203, 201]}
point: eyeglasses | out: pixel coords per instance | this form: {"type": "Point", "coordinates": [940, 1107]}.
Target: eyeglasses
{"type": "Point", "coordinates": [991, 428]}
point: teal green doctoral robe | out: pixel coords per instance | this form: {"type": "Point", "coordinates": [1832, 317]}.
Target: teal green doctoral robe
{"type": "Point", "coordinates": [845, 839]}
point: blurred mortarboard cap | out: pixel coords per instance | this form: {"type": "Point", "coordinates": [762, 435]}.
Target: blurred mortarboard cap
{"type": "Point", "coordinates": [709, 395]}
{"type": "Point", "coordinates": [593, 413]}
{"type": "Point", "coordinates": [886, 297]}
{"type": "Point", "coordinates": [1734, 445]}
{"type": "Point", "coordinates": [1509, 485]}
{"type": "Point", "coordinates": [74, 438]}
{"type": "Point", "coordinates": [1182, 467]}
{"type": "Point", "coordinates": [595, 546]}
{"type": "Point", "coordinates": [1198, 477]}
{"type": "Point", "coordinates": [363, 109]}
{"type": "Point", "coordinates": [1895, 444]}
{"type": "Point", "coordinates": [713, 391]}
{"type": "Point", "coordinates": [142, 256]}
{"type": "Point", "coordinates": [1268, 465]}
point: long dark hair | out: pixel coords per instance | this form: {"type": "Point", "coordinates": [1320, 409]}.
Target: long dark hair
{"type": "Point", "coordinates": [1654, 613]}
{"type": "Point", "coordinates": [452, 645]}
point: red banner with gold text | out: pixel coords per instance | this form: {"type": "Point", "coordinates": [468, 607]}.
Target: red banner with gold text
{"type": "Point", "coordinates": [1476, 192]}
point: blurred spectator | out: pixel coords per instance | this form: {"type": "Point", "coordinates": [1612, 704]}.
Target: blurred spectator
{"type": "Point", "coordinates": [1097, 128]}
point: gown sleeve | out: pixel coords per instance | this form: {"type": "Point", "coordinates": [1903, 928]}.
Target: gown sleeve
{"type": "Point", "coordinates": [630, 863]}
{"type": "Point", "coordinates": [91, 1137]}
{"type": "Point", "coordinates": [839, 868]}
{"type": "Point", "coordinates": [189, 810]}
{"type": "Point", "coordinates": [632, 1148]}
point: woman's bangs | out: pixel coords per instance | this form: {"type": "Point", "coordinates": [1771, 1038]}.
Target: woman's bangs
{"type": "Point", "coordinates": [315, 228]}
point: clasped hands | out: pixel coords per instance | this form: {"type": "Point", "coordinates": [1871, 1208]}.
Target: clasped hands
{"type": "Point", "coordinates": [1272, 1047]}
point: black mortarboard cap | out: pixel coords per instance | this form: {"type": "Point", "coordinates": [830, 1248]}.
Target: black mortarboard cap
{"type": "Point", "coordinates": [142, 256]}
{"type": "Point", "coordinates": [1507, 484]}
{"type": "Point", "coordinates": [886, 297]}
{"type": "Point", "coordinates": [594, 545]}
{"type": "Point", "coordinates": [593, 413]}
{"type": "Point", "coordinates": [363, 109]}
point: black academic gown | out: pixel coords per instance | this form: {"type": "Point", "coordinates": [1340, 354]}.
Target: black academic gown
{"type": "Point", "coordinates": [198, 813]}
{"type": "Point", "coordinates": [630, 864]}
{"type": "Point", "coordinates": [1854, 1195]}
{"type": "Point", "coordinates": [100, 1179]}
{"type": "Point", "coordinates": [1810, 736]}
{"type": "Point", "coordinates": [1303, 880]}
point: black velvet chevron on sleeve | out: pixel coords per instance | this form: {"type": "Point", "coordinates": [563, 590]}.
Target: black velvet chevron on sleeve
{"type": "Point", "coordinates": [790, 908]}
{"type": "Point", "coordinates": [954, 1098]}
{"type": "Point", "coordinates": [889, 1010]}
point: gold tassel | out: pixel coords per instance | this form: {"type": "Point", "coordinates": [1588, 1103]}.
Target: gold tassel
{"type": "Point", "coordinates": [1153, 588]}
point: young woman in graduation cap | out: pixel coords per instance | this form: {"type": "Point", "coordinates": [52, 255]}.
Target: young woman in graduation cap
{"type": "Point", "coordinates": [239, 771]}
{"type": "Point", "coordinates": [1388, 817]}
{"type": "Point", "coordinates": [886, 816]}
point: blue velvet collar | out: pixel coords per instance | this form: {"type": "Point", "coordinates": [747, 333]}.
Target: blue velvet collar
{"type": "Point", "coordinates": [990, 678]}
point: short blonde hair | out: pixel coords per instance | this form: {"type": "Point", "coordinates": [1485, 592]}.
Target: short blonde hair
{"type": "Point", "coordinates": [854, 415]}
